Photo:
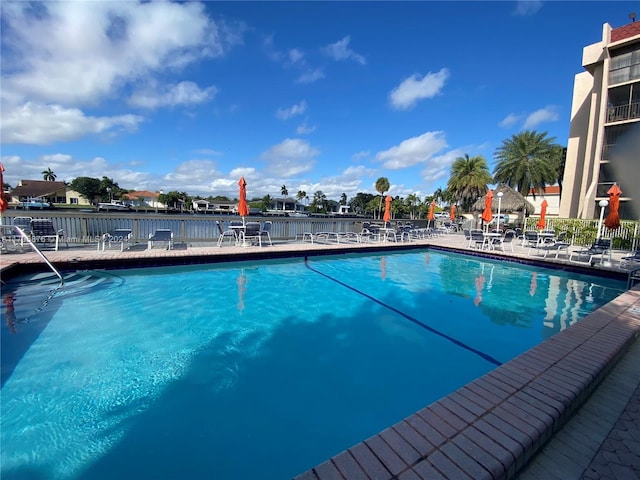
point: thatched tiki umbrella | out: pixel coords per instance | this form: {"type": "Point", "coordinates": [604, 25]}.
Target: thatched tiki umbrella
{"type": "Point", "coordinates": [512, 202]}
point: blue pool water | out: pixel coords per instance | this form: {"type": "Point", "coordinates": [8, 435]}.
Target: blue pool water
{"type": "Point", "coordinates": [256, 370]}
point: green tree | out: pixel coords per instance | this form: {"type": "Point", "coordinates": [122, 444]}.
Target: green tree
{"type": "Point", "coordinates": [468, 180]}
{"type": "Point", "coordinates": [48, 175]}
{"type": "Point", "coordinates": [319, 201]}
{"type": "Point", "coordinates": [412, 201]}
{"type": "Point", "coordinates": [88, 187]}
{"type": "Point", "coordinates": [284, 191]}
{"type": "Point", "coordinates": [266, 202]}
{"type": "Point", "coordinates": [343, 199]}
{"type": "Point", "coordinates": [382, 185]}
{"type": "Point", "coordinates": [301, 195]}
{"type": "Point", "coordinates": [527, 160]}
{"type": "Point", "coordinates": [358, 204]}
{"type": "Point", "coordinates": [174, 199]}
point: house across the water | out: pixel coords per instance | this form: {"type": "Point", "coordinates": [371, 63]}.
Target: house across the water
{"type": "Point", "coordinates": [286, 207]}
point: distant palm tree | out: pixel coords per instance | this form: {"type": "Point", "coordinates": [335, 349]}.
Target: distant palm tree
{"type": "Point", "coordinates": [343, 199]}
{"type": "Point", "coordinates": [301, 195]}
{"type": "Point", "coordinates": [528, 160]}
{"type": "Point", "coordinates": [468, 180]}
{"type": "Point", "coordinates": [48, 175]}
{"type": "Point", "coordinates": [412, 201]}
{"type": "Point", "coordinates": [382, 185]}
{"type": "Point", "coordinates": [284, 191]}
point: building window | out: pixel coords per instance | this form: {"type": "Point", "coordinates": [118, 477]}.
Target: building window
{"type": "Point", "coordinates": [625, 65]}
{"type": "Point", "coordinates": [73, 200]}
{"type": "Point", "coordinates": [624, 102]}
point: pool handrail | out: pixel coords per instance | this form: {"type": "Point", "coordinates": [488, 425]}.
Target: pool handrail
{"type": "Point", "coordinates": [25, 237]}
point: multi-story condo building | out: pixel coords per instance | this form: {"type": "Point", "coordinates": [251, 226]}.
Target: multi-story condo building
{"type": "Point", "coordinates": [604, 136]}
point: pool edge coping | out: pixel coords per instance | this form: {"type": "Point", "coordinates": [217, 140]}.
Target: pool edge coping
{"type": "Point", "coordinates": [491, 427]}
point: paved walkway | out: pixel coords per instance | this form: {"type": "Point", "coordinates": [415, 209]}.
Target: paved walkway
{"type": "Point", "coordinates": [601, 441]}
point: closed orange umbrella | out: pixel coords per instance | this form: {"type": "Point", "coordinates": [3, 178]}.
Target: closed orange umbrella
{"type": "Point", "coordinates": [3, 202]}
{"type": "Point", "coordinates": [432, 211]}
{"type": "Point", "coordinates": [613, 219]}
{"type": "Point", "coordinates": [452, 214]}
{"type": "Point", "coordinates": [543, 212]}
{"type": "Point", "coordinates": [243, 208]}
{"type": "Point", "coordinates": [431, 215]}
{"type": "Point", "coordinates": [487, 215]}
{"type": "Point", "coordinates": [387, 209]}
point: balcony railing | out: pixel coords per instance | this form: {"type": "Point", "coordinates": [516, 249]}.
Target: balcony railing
{"type": "Point", "coordinates": [623, 112]}
{"type": "Point", "coordinates": [606, 150]}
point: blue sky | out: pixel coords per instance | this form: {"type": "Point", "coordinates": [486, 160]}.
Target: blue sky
{"type": "Point", "coordinates": [312, 95]}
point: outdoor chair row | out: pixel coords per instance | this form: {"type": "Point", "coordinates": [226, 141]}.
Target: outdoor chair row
{"type": "Point", "coordinates": [40, 231]}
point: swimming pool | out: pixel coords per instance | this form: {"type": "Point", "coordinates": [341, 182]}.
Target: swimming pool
{"type": "Point", "coordinates": [257, 370]}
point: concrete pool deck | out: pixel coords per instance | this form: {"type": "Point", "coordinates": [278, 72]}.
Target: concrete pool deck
{"type": "Point", "coordinates": [568, 408]}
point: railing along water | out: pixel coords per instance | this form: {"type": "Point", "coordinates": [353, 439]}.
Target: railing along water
{"type": "Point", "coordinates": [88, 227]}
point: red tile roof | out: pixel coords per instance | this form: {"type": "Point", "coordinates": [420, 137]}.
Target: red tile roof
{"type": "Point", "coordinates": [630, 30]}
{"type": "Point", "coordinates": [141, 194]}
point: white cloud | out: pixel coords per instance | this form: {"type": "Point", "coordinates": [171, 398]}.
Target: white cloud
{"type": "Point", "coordinates": [439, 167]}
{"type": "Point", "coordinates": [295, 55]}
{"type": "Point", "coordinates": [287, 113]}
{"type": "Point", "coordinates": [290, 158]}
{"type": "Point", "coordinates": [412, 151]}
{"type": "Point", "coordinates": [183, 93]}
{"type": "Point", "coordinates": [208, 152]}
{"type": "Point", "coordinates": [510, 120]}
{"type": "Point", "coordinates": [45, 124]}
{"type": "Point", "coordinates": [546, 114]}
{"type": "Point", "coordinates": [80, 52]}
{"type": "Point", "coordinates": [341, 51]}
{"type": "Point", "coordinates": [61, 56]}
{"type": "Point", "coordinates": [414, 88]}
{"type": "Point", "coordinates": [311, 76]}
{"type": "Point", "coordinates": [360, 155]}
{"type": "Point", "coordinates": [304, 129]}
{"type": "Point", "coordinates": [527, 7]}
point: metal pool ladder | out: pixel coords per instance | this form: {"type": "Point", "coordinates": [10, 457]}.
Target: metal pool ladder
{"type": "Point", "coordinates": [25, 237]}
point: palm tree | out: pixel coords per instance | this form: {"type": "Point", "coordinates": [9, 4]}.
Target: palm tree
{"type": "Point", "coordinates": [48, 175]}
{"type": "Point", "coordinates": [412, 201]}
{"type": "Point", "coordinates": [284, 191]}
{"type": "Point", "coordinates": [319, 200]}
{"type": "Point", "coordinates": [468, 180]}
{"type": "Point", "coordinates": [343, 199]}
{"type": "Point", "coordinates": [528, 160]}
{"type": "Point", "coordinates": [382, 185]}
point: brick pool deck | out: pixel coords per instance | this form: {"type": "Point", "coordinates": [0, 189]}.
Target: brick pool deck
{"type": "Point", "coordinates": [567, 409]}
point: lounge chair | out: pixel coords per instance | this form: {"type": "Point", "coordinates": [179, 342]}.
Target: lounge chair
{"type": "Point", "coordinates": [599, 248]}
{"type": "Point", "coordinates": [530, 239]}
{"type": "Point", "coordinates": [558, 246]}
{"type": "Point", "coordinates": [24, 224]}
{"type": "Point", "coordinates": [630, 261]}
{"type": "Point", "coordinates": [119, 236]}
{"type": "Point", "coordinates": [43, 231]}
{"type": "Point", "coordinates": [162, 235]}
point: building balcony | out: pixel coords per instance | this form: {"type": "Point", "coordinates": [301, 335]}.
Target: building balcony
{"type": "Point", "coordinates": [623, 112]}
